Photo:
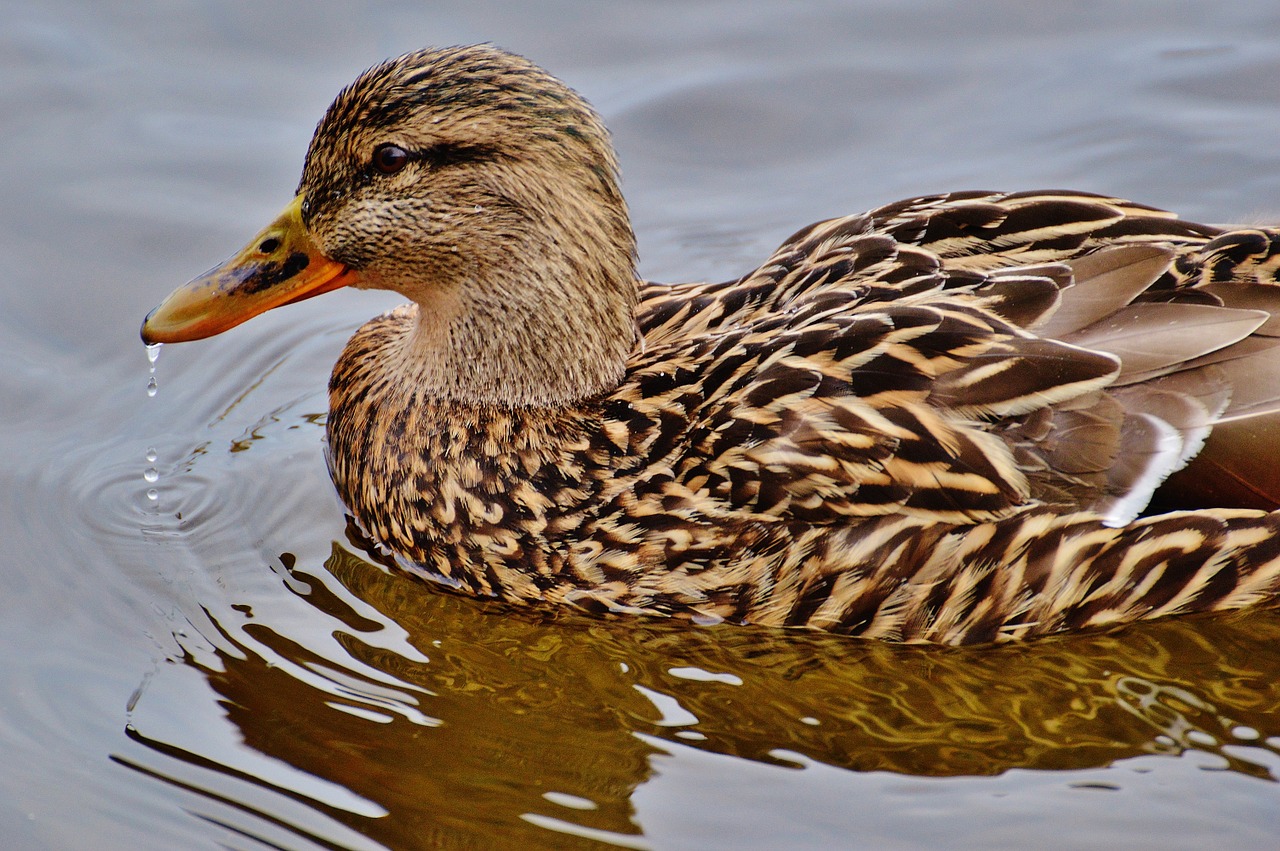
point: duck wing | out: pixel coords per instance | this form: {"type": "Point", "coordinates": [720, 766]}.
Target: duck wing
{"type": "Point", "coordinates": [854, 374]}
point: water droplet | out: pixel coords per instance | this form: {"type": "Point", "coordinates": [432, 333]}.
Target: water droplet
{"type": "Point", "coordinates": [151, 455]}
{"type": "Point", "coordinates": [151, 474]}
{"type": "Point", "coordinates": [152, 387]}
{"type": "Point", "coordinates": [153, 494]}
{"type": "Point", "coordinates": [153, 352]}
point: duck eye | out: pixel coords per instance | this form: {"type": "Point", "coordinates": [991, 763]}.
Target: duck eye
{"type": "Point", "coordinates": [389, 159]}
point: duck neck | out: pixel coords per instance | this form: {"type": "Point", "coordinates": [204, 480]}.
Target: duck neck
{"type": "Point", "coordinates": [523, 337]}
{"type": "Point", "coordinates": [509, 358]}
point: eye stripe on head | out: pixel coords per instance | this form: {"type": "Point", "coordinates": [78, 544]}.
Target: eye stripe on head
{"type": "Point", "coordinates": [389, 158]}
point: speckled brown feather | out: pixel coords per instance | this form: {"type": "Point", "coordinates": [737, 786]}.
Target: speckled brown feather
{"type": "Point", "coordinates": [932, 422]}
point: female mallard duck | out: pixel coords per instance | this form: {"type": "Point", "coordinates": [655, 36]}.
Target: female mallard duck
{"type": "Point", "coordinates": [940, 421]}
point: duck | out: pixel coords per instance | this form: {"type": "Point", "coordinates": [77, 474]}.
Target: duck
{"type": "Point", "coordinates": [961, 418]}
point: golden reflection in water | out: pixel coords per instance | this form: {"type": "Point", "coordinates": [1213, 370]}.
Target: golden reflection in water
{"type": "Point", "coordinates": [503, 715]}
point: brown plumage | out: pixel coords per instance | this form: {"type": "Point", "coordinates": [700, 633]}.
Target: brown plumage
{"type": "Point", "coordinates": [940, 421]}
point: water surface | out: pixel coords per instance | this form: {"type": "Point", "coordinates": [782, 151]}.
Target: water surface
{"type": "Point", "coordinates": [226, 667]}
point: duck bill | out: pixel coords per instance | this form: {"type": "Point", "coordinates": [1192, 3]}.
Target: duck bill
{"type": "Point", "coordinates": [280, 266]}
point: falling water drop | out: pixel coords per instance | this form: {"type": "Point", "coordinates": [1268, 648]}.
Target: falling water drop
{"type": "Point", "coordinates": [153, 354]}
{"type": "Point", "coordinates": [152, 475]}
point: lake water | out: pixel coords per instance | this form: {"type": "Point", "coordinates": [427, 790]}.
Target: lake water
{"type": "Point", "coordinates": [224, 667]}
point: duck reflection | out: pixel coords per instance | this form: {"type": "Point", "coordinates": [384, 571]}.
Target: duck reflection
{"type": "Point", "coordinates": [462, 718]}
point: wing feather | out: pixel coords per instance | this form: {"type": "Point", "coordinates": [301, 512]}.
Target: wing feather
{"type": "Point", "coordinates": [962, 356]}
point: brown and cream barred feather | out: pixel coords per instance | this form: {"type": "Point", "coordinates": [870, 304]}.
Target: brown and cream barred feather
{"type": "Point", "coordinates": [938, 421]}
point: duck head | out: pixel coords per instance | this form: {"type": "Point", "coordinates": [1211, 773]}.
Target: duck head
{"type": "Point", "coordinates": [479, 187]}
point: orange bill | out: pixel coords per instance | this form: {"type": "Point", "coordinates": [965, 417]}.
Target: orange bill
{"type": "Point", "coordinates": [280, 266]}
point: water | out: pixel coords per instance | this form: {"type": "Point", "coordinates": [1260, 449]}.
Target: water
{"type": "Point", "coordinates": [223, 666]}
